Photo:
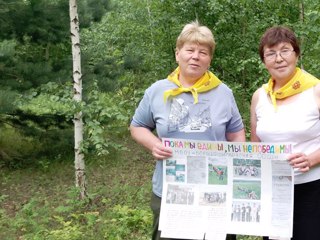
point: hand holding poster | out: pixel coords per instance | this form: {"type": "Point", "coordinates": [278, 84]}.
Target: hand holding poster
{"type": "Point", "coordinates": [214, 188]}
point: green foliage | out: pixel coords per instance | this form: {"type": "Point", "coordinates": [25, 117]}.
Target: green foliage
{"type": "Point", "coordinates": [68, 231]}
{"type": "Point", "coordinates": [51, 98]}
{"type": "Point", "coordinates": [16, 150]}
{"type": "Point", "coordinates": [92, 11]}
{"type": "Point", "coordinates": [104, 120]}
{"type": "Point", "coordinates": [147, 53]}
{"type": "Point", "coordinates": [7, 99]}
{"type": "Point", "coordinates": [35, 51]}
{"type": "Point", "coordinates": [32, 216]}
{"type": "Point", "coordinates": [32, 18]}
{"type": "Point", "coordinates": [37, 205]}
{"type": "Point", "coordinates": [124, 50]}
{"type": "Point", "coordinates": [124, 221]}
{"type": "Point", "coordinates": [33, 144]}
{"type": "Point", "coordinates": [131, 38]}
{"type": "Point", "coordinates": [126, 46]}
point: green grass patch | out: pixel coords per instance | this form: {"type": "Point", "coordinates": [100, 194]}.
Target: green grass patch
{"type": "Point", "coordinates": [44, 205]}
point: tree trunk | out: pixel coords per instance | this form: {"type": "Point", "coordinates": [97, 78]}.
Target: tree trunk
{"type": "Point", "coordinates": [77, 87]}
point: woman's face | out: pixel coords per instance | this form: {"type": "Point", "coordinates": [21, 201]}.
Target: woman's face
{"type": "Point", "coordinates": [281, 61]}
{"type": "Point", "coordinates": [194, 60]}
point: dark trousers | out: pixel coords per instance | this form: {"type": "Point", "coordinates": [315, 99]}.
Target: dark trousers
{"type": "Point", "coordinates": [155, 207]}
{"type": "Point", "coordinates": [306, 211]}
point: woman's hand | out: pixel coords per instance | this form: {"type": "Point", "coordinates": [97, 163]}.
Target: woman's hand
{"type": "Point", "coordinates": [147, 139]}
{"type": "Point", "coordinates": [300, 161]}
{"type": "Point", "coordinates": [160, 152]}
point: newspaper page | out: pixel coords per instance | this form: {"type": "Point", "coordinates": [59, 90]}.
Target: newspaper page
{"type": "Point", "coordinates": [214, 188]}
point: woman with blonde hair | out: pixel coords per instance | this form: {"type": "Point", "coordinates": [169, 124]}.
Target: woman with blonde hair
{"type": "Point", "coordinates": [190, 103]}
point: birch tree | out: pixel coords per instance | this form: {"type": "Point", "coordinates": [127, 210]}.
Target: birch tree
{"type": "Point", "coordinates": [77, 86]}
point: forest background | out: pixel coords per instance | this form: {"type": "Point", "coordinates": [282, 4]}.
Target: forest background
{"type": "Point", "coordinates": [125, 46]}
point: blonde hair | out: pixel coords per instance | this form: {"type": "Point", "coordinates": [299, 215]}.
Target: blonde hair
{"type": "Point", "coordinates": [195, 33]}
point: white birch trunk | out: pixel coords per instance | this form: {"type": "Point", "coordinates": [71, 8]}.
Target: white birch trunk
{"type": "Point", "coordinates": [77, 86]}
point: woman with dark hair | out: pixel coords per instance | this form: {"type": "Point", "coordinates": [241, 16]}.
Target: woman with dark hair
{"type": "Point", "coordinates": [287, 109]}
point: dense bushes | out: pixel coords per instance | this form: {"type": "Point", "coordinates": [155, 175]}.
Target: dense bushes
{"type": "Point", "coordinates": [124, 50]}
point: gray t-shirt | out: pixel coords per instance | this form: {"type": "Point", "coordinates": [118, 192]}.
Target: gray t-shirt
{"type": "Point", "coordinates": [215, 114]}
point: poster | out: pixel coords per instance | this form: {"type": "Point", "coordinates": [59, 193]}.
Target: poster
{"type": "Point", "coordinates": [214, 188]}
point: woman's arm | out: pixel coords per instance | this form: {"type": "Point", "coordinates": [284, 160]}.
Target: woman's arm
{"type": "Point", "coordinates": [236, 136]}
{"type": "Point", "coordinates": [300, 160]}
{"type": "Point", "coordinates": [253, 117]}
{"type": "Point", "coordinates": [147, 139]}
{"type": "Point", "coordinates": [304, 162]}
{"type": "Point", "coordinates": [317, 94]}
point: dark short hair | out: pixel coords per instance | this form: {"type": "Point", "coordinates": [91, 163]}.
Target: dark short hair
{"type": "Point", "coordinates": [276, 35]}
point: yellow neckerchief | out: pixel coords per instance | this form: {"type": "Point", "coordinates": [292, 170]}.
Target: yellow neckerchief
{"type": "Point", "coordinates": [207, 82]}
{"type": "Point", "coordinates": [300, 82]}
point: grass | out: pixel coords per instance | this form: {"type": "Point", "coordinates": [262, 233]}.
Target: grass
{"type": "Point", "coordinates": [42, 203]}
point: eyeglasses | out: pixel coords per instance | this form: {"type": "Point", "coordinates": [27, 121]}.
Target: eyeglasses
{"type": "Point", "coordinates": [271, 56]}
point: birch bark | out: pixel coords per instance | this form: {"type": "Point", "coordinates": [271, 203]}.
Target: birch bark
{"type": "Point", "coordinates": [77, 87]}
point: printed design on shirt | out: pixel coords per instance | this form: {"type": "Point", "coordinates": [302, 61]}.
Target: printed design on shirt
{"type": "Point", "coordinates": [188, 117]}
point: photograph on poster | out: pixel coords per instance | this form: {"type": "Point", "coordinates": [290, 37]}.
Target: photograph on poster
{"type": "Point", "coordinates": [175, 170]}
{"type": "Point", "coordinates": [243, 189]}
{"type": "Point", "coordinates": [197, 170]}
{"type": "Point", "coordinates": [245, 211]}
{"type": "Point", "coordinates": [247, 168]}
{"type": "Point", "coordinates": [217, 174]}
{"type": "Point", "coordinates": [213, 198]}
{"type": "Point", "coordinates": [179, 194]}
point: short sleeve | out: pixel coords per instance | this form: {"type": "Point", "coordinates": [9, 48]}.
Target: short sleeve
{"type": "Point", "coordinates": [143, 116]}
{"type": "Point", "coordinates": [235, 123]}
